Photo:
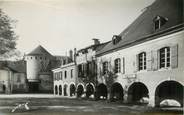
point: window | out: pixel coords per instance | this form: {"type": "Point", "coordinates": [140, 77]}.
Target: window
{"type": "Point", "coordinates": [159, 21]}
{"type": "Point", "coordinates": [165, 57]}
{"type": "Point", "coordinates": [35, 57]}
{"type": "Point", "coordinates": [71, 73]}
{"type": "Point", "coordinates": [142, 61]}
{"type": "Point", "coordinates": [61, 75]}
{"type": "Point", "coordinates": [41, 58]}
{"type": "Point", "coordinates": [18, 78]}
{"type": "Point", "coordinates": [105, 67]}
{"type": "Point", "coordinates": [116, 39]}
{"type": "Point", "coordinates": [117, 65]}
{"type": "Point", "coordinates": [65, 74]}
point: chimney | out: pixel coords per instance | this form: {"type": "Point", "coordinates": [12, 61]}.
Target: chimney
{"type": "Point", "coordinates": [71, 54]}
{"type": "Point", "coordinates": [75, 53]}
{"type": "Point", "coordinates": [96, 41]}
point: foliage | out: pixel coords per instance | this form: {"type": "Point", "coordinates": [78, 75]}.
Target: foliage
{"type": "Point", "coordinates": [7, 35]}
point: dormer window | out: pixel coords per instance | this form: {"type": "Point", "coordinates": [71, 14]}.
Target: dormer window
{"type": "Point", "coordinates": [159, 21]}
{"type": "Point", "coordinates": [116, 39]}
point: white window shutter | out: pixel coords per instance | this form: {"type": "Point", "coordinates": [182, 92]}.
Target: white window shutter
{"type": "Point", "coordinates": [135, 64]}
{"type": "Point", "coordinates": [155, 60]}
{"type": "Point", "coordinates": [149, 61]}
{"type": "Point", "coordinates": [174, 56]}
{"type": "Point", "coordinates": [123, 65]}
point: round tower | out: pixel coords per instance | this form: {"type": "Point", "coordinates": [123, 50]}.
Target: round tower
{"type": "Point", "coordinates": [37, 61]}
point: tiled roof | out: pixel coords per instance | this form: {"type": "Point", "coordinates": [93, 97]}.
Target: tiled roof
{"type": "Point", "coordinates": [39, 51]}
{"type": "Point", "coordinates": [16, 66]}
{"type": "Point", "coordinates": [143, 26]}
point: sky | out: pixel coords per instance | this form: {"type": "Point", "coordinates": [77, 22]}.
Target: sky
{"type": "Point", "coordinates": [61, 25]}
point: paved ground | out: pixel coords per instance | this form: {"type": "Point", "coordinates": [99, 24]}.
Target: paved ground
{"type": "Point", "coordinates": [54, 105]}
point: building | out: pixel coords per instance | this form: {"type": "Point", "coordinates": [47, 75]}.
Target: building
{"type": "Point", "coordinates": [65, 77]}
{"type": "Point", "coordinates": [65, 80]}
{"type": "Point", "coordinates": [13, 77]}
{"type": "Point", "coordinates": [87, 69]}
{"type": "Point", "coordinates": [39, 65]}
{"type": "Point", "coordinates": [146, 60]}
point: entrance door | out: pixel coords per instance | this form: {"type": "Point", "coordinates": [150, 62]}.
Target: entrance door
{"type": "Point", "coordinates": [33, 87]}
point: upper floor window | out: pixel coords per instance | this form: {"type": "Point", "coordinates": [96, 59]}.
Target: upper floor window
{"type": "Point", "coordinates": [117, 65]}
{"type": "Point", "coordinates": [105, 67]}
{"type": "Point", "coordinates": [165, 57]}
{"type": "Point", "coordinates": [159, 21]}
{"type": "Point", "coordinates": [18, 78]}
{"type": "Point", "coordinates": [71, 73]}
{"type": "Point", "coordinates": [65, 74]}
{"type": "Point", "coordinates": [61, 75]}
{"type": "Point", "coordinates": [116, 39]}
{"type": "Point", "coordinates": [142, 61]}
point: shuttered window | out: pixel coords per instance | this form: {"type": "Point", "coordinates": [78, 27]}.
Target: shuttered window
{"type": "Point", "coordinates": [105, 67]}
{"type": "Point", "coordinates": [142, 61]}
{"type": "Point", "coordinates": [165, 59]}
{"type": "Point", "coordinates": [117, 65]}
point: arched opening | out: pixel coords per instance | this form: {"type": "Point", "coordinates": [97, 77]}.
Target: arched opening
{"type": "Point", "coordinates": [72, 90]}
{"type": "Point", "coordinates": [80, 90]}
{"type": "Point", "coordinates": [65, 90]}
{"type": "Point", "coordinates": [56, 89]}
{"type": "Point", "coordinates": [60, 90]}
{"type": "Point", "coordinates": [137, 93]}
{"type": "Point", "coordinates": [101, 91]}
{"type": "Point", "coordinates": [116, 92]}
{"type": "Point", "coordinates": [89, 90]}
{"type": "Point", "coordinates": [171, 90]}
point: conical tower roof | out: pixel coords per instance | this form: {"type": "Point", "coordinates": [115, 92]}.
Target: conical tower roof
{"type": "Point", "coordinates": [39, 51]}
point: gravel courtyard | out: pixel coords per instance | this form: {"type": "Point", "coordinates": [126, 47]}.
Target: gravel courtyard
{"type": "Point", "coordinates": [51, 105]}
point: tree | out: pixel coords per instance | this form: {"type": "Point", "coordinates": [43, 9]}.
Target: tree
{"type": "Point", "coordinates": [7, 35]}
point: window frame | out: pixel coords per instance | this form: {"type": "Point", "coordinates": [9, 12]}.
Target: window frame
{"type": "Point", "coordinates": [105, 67]}
{"type": "Point", "coordinates": [164, 57]}
{"type": "Point", "coordinates": [117, 65]}
{"type": "Point", "coordinates": [65, 74]}
{"type": "Point", "coordinates": [142, 61]}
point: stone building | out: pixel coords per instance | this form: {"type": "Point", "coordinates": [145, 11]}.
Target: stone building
{"type": "Point", "coordinates": [39, 65]}
{"type": "Point", "coordinates": [146, 60]}
{"type": "Point", "coordinates": [13, 77]}
{"type": "Point", "coordinates": [87, 69]}
{"type": "Point", "coordinates": [65, 80]}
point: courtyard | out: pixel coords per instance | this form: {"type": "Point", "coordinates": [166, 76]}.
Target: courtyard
{"type": "Point", "coordinates": [40, 104]}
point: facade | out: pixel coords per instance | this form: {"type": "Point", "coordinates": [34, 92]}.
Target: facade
{"type": "Point", "coordinates": [146, 59]}
{"type": "Point", "coordinates": [87, 69]}
{"type": "Point", "coordinates": [13, 77]}
{"type": "Point", "coordinates": [65, 80]}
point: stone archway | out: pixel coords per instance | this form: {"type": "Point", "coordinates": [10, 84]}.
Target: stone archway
{"type": "Point", "coordinates": [89, 90]}
{"type": "Point", "coordinates": [56, 89]}
{"type": "Point", "coordinates": [80, 90]}
{"type": "Point", "coordinates": [72, 90]}
{"type": "Point", "coordinates": [169, 90]}
{"type": "Point", "coordinates": [136, 92]}
{"type": "Point", "coordinates": [102, 91]}
{"type": "Point", "coordinates": [60, 90]}
{"type": "Point", "coordinates": [116, 92]}
{"type": "Point", "coordinates": [65, 90]}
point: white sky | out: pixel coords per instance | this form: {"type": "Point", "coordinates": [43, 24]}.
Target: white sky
{"type": "Point", "coordinates": [61, 25]}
